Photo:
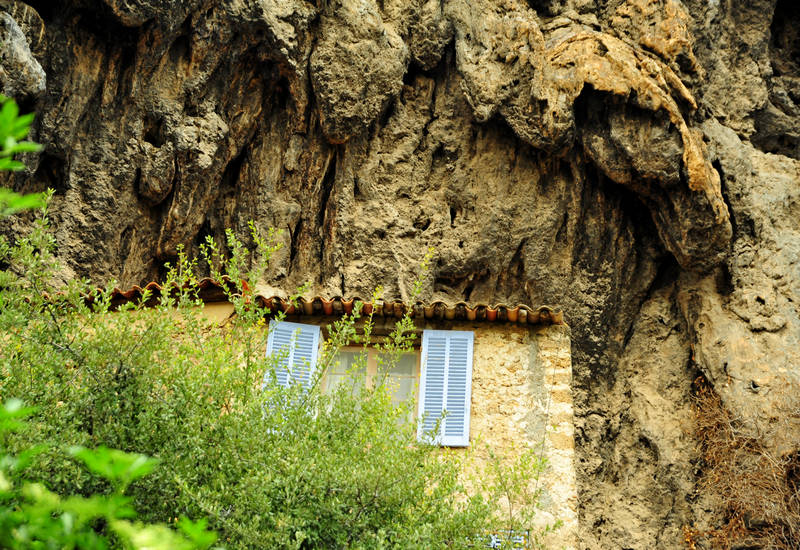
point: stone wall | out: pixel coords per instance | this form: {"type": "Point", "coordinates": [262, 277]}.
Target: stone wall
{"type": "Point", "coordinates": [522, 398]}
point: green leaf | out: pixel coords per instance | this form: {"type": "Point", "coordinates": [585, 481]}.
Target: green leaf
{"type": "Point", "coordinates": [25, 147]}
{"type": "Point", "coordinates": [11, 203]}
{"type": "Point", "coordinates": [150, 537]}
{"type": "Point", "coordinates": [8, 165]}
{"type": "Point", "coordinates": [44, 499]}
{"type": "Point", "coordinates": [8, 114]}
{"type": "Point", "coordinates": [119, 467]}
{"type": "Point", "coordinates": [24, 458]}
{"type": "Point", "coordinates": [197, 532]}
{"type": "Point", "coordinates": [85, 509]}
{"type": "Point", "coordinates": [22, 125]}
{"type": "Point", "coordinates": [13, 128]}
{"type": "Point", "coordinates": [11, 414]}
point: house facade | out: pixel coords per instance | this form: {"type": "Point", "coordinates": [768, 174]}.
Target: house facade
{"type": "Point", "coordinates": [503, 374]}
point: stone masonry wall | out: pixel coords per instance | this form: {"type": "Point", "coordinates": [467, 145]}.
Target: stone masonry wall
{"type": "Point", "coordinates": [522, 397]}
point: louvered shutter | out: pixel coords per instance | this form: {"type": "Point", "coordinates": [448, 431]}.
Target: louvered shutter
{"type": "Point", "coordinates": [446, 385]}
{"type": "Point", "coordinates": [297, 345]}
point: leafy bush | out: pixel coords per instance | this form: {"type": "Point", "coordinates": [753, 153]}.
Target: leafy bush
{"type": "Point", "coordinates": [31, 516]}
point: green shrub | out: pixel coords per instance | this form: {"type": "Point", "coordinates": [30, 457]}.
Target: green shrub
{"type": "Point", "coordinates": [31, 516]}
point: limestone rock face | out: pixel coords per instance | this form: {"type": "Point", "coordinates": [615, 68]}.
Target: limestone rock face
{"type": "Point", "coordinates": [20, 73]}
{"type": "Point", "coordinates": [635, 162]}
{"type": "Point", "coordinates": [354, 88]}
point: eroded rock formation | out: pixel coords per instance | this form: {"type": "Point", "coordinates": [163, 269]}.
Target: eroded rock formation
{"type": "Point", "coordinates": [634, 162]}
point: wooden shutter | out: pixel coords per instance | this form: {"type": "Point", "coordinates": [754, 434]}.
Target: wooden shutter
{"type": "Point", "coordinates": [446, 385]}
{"type": "Point", "coordinates": [297, 344]}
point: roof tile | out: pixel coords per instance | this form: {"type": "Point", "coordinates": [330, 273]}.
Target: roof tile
{"type": "Point", "coordinates": [209, 290]}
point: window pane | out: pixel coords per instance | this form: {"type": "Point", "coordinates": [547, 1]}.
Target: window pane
{"type": "Point", "coordinates": [344, 372]}
{"type": "Point", "coordinates": [402, 388]}
{"type": "Point", "coordinates": [345, 362]}
{"type": "Point", "coordinates": [406, 366]}
{"type": "Point", "coordinates": [401, 381]}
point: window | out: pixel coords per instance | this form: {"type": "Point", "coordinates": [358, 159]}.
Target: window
{"type": "Point", "coordinates": [446, 386]}
{"type": "Point", "coordinates": [444, 379]}
{"type": "Point", "coordinates": [344, 371]}
{"type": "Point", "coordinates": [297, 345]}
{"type": "Point", "coordinates": [401, 379]}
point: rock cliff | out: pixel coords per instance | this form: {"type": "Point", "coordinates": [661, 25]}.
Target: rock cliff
{"type": "Point", "coordinates": [635, 162]}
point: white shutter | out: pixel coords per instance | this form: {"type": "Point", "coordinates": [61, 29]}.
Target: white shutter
{"type": "Point", "coordinates": [297, 345]}
{"type": "Point", "coordinates": [446, 385]}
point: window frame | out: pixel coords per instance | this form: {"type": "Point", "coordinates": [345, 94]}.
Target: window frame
{"type": "Point", "coordinates": [313, 361]}
{"type": "Point", "coordinates": [441, 439]}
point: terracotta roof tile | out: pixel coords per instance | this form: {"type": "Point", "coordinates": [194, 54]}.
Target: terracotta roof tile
{"type": "Point", "coordinates": [212, 291]}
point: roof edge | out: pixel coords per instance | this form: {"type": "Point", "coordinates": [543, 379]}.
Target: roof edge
{"type": "Point", "coordinates": [210, 291]}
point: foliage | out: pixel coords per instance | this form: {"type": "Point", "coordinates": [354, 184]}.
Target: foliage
{"type": "Point", "coordinates": [31, 516]}
{"type": "Point", "coordinates": [751, 471]}
{"type": "Point", "coordinates": [13, 128]}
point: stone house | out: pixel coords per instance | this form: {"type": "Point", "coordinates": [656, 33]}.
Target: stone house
{"type": "Point", "coordinates": [503, 374]}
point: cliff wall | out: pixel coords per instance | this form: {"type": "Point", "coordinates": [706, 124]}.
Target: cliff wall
{"type": "Point", "coordinates": [634, 162]}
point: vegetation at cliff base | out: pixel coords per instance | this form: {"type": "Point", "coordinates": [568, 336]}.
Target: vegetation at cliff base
{"type": "Point", "coordinates": [750, 471]}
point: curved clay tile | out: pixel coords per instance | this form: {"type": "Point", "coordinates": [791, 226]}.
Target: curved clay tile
{"type": "Point", "coordinates": [347, 305]}
{"type": "Point", "coordinates": [210, 290]}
